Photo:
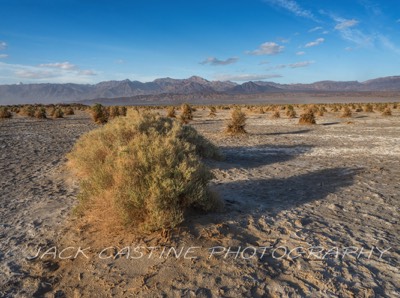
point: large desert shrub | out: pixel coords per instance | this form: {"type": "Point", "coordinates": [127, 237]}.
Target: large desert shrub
{"type": "Point", "coordinates": [346, 112]}
{"type": "Point", "coordinates": [40, 113]}
{"type": "Point", "coordinates": [186, 113]}
{"type": "Point", "coordinates": [171, 112]}
{"type": "Point", "coordinates": [237, 123]}
{"type": "Point", "coordinates": [213, 111]}
{"type": "Point", "coordinates": [387, 112]}
{"type": "Point", "coordinates": [113, 112]}
{"type": "Point", "coordinates": [276, 114]}
{"type": "Point", "coordinates": [307, 117]}
{"type": "Point", "coordinates": [69, 111]}
{"type": "Point", "coordinates": [291, 113]}
{"type": "Point", "coordinates": [28, 110]}
{"type": "Point", "coordinates": [369, 108]}
{"type": "Point", "coordinates": [143, 171]}
{"type": "Point", "coordinates": [5, 113]}
{"type": "Point", "coordinates": [123, 110]}
{"type": "Point", "coordinates": [58, 113]}
{"type": "Point", "coordinates": [99, 114]}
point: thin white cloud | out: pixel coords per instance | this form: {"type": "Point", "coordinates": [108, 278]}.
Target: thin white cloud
{"type": "Point", "coordinates": [371, 7]}
{"type": "Point", "coordinates": [2, 56]}
{"type": "Point", "coordinates": [87, 72]}
{"type": "Point", "coordinates": [315, 43]}
{"type": "Point", "coordinates": [62, 65]}
{"type": "Point", "coordinates": [347, 31]}
{"type": "Point", "coordinates": [12, 73]}
{"type": "Point", "coordinates": [293, 7]}
{"type": "Point", "coordinates": [344, 24]}
{"type": "Point", "coordinates": [279, 66]}
{"type": "Point", "coordinates": [301, 64]}
{"type": "Point", "coordinates": [39, 74]}
{"type": "Point", "coordinates": [388, 44]}
{"type": "Point", "coordinates": [68, 67]}
{"type": "Point", "coordinates": [357, 37]}
{"type": "Point", "coordinates": [315, 29]}
{"type": "Point", "coordinates": [301, 53]}
{"type": "Point", "coordinates": [398, 21]}
{"type": "Point", "coordinates": [292, 65]}
{"type": "Point", "coordinates": [267, 48]}
{"type": "Point", "coordinates": [3, 45]}
{"type": "Point", "coordinates": [283, 40]}
{"type": "Point", "coordinates": [263, 62]}
{"type": "Point", "coordinates": [217, 62]}
{"type": "Point", "coordinates": [349, 49]}
{"type": "Point", "coordinates": [246, 77]}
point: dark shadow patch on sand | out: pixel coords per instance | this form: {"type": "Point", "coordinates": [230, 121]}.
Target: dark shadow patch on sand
{"type": "Point", "coordinates": [283, 133]}
{"type": "Point", "coordinates": [256, 156]}
{"type": "Point", "coordinates": [330, 123]}
{"type": "Point", "coordinates": [260, 197]}
{"type": "Point", "coordinates": [282, 194]}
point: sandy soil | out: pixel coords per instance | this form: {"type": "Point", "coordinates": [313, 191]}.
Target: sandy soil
{"type": "Point", "coordinates": [297, 198]}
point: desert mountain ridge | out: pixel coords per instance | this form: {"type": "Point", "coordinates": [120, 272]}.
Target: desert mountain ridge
{"type": "Point", "coordinates": [181, 88]}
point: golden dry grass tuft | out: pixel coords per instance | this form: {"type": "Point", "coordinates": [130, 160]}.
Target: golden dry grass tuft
{"type": "Point", "coordinates": [368, 108]}
{"type": "Point", "coordinates": [307, 118]}
{"type": "Point", "coordinates": [58, 113]}
{"type": "Point", "coordinates": [346, 112]}
{"type": "Point", "coordinates": [69, 111]}
{"type": "Point", "coordinates": [276, 114]}
{"type": "Point", "coordinates": [213, 112]}
{"type": "Point", "coordinates": [186, 113]}
{"type": "Point", "coordinates": [171, 112]}
{"type": "Point", "coordinates": [28, 110]}
{"type": "Point", "coordinates": [237, 123]}
{"type": "Point", "coordinates": [143, 172]}
{"type": "Point", "coordinates": [99, 113]}
{"type": "Point", "coordinates": [5, 113]}
{"type": "Point", "coordinates": [387, 112]}
{"type": "Point", "coordinates": [40, 113]}
{"type": "Point", "coordinates": [291, 114]}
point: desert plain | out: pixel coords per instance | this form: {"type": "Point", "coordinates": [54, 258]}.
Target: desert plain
{"type": "Point", "coordinates": [309, 211]}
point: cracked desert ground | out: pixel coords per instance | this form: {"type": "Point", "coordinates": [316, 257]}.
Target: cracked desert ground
{"type": "Point", "coordinates": [290, 189]}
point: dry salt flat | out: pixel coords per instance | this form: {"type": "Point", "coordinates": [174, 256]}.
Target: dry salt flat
{"type": "Point", "coordinates": [306, 194]}
{"type": "Point", "coordinates": [36, 197]}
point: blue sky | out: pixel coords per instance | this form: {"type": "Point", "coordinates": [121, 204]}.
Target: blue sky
{"type": "Point", "coordinates": [286, 41]}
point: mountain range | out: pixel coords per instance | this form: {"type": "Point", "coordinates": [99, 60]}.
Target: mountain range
{"type": "Point", "coordinates": [167, 89]}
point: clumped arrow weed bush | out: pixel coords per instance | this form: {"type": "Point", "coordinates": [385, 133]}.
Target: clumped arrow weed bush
{"type": "Point", "coordinates": [5, 113]}
{"type": "Point", "coordinates": [237, 123]}
{"type": "Point", "coordinates": [143, 171]}
{"type": "Point", "coordinates": [100, 114]}
{"type": "Point", "coordinates": [307, 118]}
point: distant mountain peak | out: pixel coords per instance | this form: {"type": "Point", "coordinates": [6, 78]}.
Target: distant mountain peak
{"type": "Point", "coordinates": [197, 79]}
{"type": "Point", "coordinates": [54, 93]}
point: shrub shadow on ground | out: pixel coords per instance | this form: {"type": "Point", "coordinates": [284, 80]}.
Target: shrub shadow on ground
{"type": "Point", "coordinates": [275, 195]}
{"type": "Point", "coordinates": [251, 157]}
{"type": "Point", "coordinates": [283, 133]}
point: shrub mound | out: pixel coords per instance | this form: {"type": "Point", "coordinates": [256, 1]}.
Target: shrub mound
{"type": "Point", "coordinates": [387, 112]}
{"type": "Point", "coordinates": [143, 171]}
{"type": "Point", "coordinates": [308, 118]}
{"type": "Point", "coordinates": [5, 113]}
{"type": "Point", "coordinates": [237, 123]}
{"type": "Point", "coordinates": [186, 113]}
{"type": "Point", "coordinates": [346, 112]}
{"type": "Point", "coordinates": [99, 113]}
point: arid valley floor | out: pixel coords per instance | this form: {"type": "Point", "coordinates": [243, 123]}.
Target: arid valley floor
{"type": "Point", "coordinates": [306, 194]}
